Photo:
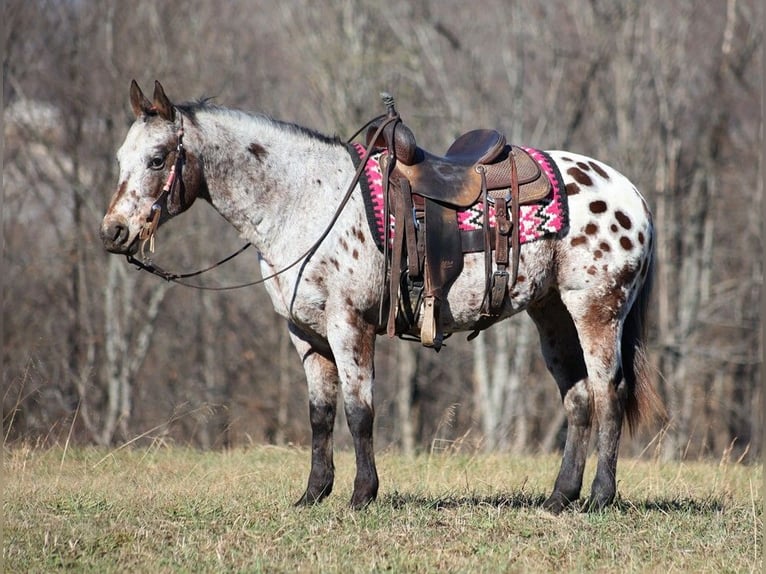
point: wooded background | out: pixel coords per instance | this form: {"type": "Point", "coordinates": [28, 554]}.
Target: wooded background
{"type": "Point", "coordinates": [97, 352]}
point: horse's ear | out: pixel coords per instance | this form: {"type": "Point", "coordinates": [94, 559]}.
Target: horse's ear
{"type": "Point", "coordinates": [162, 103]}
{"type": "Point", "coordinates": [138, 101]}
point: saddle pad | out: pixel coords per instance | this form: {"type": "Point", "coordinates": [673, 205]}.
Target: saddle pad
{"type": "Point", "coordinates": [546, 217]}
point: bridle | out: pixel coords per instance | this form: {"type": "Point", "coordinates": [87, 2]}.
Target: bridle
{"type": "Point", "coordinates": [174, 185]}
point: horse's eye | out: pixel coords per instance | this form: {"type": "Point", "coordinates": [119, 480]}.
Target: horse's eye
{"type": "Point", "coordinates": [157, 162]}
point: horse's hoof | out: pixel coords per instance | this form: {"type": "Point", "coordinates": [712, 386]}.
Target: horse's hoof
{"type": "Point", "coordinates": [362, 501]}
{"type": "Point", "coordinates": [310, 498]}
{"type": "Point", "coordinates": [556, 503]}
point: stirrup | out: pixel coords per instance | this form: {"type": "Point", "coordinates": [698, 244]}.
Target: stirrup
{"type": "Point", "coordinates": [429, 332]}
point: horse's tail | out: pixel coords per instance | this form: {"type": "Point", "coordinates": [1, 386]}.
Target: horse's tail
{"type": "Point", "coordinates": [643, 400]}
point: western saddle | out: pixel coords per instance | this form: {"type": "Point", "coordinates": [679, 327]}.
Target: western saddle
{"type": "Point", "coordinates": [425, 193]}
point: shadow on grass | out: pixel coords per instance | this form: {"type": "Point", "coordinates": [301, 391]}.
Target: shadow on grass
{"type": "Point", "coordinates": [522, 500]}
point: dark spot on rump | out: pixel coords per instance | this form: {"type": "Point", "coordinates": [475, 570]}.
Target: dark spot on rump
{"type": "Point", "coordinates": [572, 188]}
{"type": "Point", "coordinates": [626, 243]}
{"type": "Point", "coordinates": [605, 246]}
{"type": "Point", "coordinates": [624, 278]}
{"type": "Point", "coordinates": [343, 244]}
{"type": "Point", "coordinates": [580, 176]}
{"type": "Point", "coordinates": [335, 263]}
{"type": "Point", "coordinates": [579, 240]}
{"type": "Point", "coordinates": [592, 270]}
{"type": "Point", "coordinates": [566, 158]}
{"type": "Point", "coordinates": [520, 279]}
{"type": "Point", "coordinates": [591, 228]}
{"type": "Point", "coordinates": [583, 166]}
{"type": "Point", "coordinates": [623, 220]}
{"type": "Point", "coordinates": [598, 254]}
{"type": "Point", "coordinates": [355, 254]}
{"type": "Point", "coordinates": [641, 237]}
{"type": "Point", "coordinates": [599, 170]}
{"type": "Point", "coordinates": [598, 206]}
{"type": "Point", "coordinates": [318, 181]}
{"type": "Point", "coordinates": [614, 227]}
{"type": "Point", "coordinates": [258, 151]}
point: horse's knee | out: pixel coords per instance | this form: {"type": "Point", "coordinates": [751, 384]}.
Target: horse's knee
{"type": "Point", "coordinates": [578, 404]}
{"type": "Point", "coordinates": [322, 416]}
{"type": "Point", "coordinates": [360, 417]}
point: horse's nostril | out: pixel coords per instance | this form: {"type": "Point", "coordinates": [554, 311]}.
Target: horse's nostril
{"type": "Point", "coordinates": [115, 234]}
{"type": "Point", "coordinates": [119, 233]}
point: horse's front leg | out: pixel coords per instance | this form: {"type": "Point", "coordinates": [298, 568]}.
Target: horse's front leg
{"type": "Point", "coordinates": [322, 379]}
{"type": "Point", "coordinates": [352, 341]}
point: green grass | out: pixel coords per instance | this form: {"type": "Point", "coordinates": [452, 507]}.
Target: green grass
{"type": "Point", "coordinates": [174, 509]}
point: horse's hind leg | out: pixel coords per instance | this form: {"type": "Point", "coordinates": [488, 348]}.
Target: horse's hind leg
{"type": "Point", "coordinates": [599, 324]}
{"type": "Point", "coordinates": [322, 378]}
{"type": "Point", "coordinates": [564, 359]}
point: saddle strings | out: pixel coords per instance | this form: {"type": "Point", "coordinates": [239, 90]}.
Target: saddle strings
{"type": "Point", "coordinates": [175, 175]}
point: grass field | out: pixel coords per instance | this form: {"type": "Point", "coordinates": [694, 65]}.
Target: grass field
{"type": "Point", "coordinates": [174, 509]}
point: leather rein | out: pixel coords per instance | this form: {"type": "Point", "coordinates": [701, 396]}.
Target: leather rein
{"type": "Point", "coordinates": [174, 185]}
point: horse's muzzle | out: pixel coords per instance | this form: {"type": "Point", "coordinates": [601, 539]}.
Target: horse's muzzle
{"type": "Point", "coordinates": [115, 234]}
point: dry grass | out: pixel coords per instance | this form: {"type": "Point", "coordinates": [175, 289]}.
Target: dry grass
{"type": "Point", "coordinates": [173, 509]}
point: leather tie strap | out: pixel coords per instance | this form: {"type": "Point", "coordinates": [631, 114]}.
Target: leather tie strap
{"type": "Point", "coordinates": [515, 220]}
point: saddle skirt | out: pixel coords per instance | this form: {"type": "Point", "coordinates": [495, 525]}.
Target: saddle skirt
{"type": "Point", "coordinates": [541, 218]}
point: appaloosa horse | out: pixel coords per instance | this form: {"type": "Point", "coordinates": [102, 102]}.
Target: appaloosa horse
{"type": "Point", "coordinates": [281, 186]}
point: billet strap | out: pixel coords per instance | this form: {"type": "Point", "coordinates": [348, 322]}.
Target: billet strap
{"type": "Point", "coordinates": [507, 232]}
{"type": "Point", "coordinates": [413, 259]}
{"type": "Point", "coordinates": [500, 276]}
{"type": "Point", "coordinates": [396, 256]}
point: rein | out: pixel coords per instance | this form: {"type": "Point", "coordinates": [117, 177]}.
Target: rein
{"type": "Point", "coordinates": [175, 180]}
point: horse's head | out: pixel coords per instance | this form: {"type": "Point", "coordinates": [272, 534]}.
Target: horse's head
{"type": "Point", "coordinates": [158, 177]}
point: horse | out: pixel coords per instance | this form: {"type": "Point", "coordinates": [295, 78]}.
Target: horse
{"type": "Point", "coordinates": [282, 186]}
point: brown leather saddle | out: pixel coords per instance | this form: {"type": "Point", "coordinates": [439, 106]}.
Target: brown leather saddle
{"type": "Point", "coordinates": [425, 192]}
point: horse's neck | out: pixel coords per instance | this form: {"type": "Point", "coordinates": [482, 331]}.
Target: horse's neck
{"type": "Point", "coordinates": [267, 179]}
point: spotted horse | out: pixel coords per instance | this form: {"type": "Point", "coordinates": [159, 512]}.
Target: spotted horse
{"type": "Point", "coordinates": [283, 187]}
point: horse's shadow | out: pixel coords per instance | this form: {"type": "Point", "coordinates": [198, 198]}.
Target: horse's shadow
{"type": "Point", "coordinates": [528, 501]}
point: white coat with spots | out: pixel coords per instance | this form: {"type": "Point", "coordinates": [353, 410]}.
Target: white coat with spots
{"type": "Point", "coordinates": [279, 185]}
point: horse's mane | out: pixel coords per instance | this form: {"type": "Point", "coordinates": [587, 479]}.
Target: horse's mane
{"type": "Point", "coordinates": [190, 110]}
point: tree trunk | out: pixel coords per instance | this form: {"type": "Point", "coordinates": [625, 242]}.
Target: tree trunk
{"type": "Point", "coordinates": [124, 354]}
{"type": "Point", "coordinates": [406, 373]}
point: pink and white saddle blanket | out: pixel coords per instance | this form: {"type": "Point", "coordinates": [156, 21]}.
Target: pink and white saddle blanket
{"type": "Point", "coordinates": [547, 217]}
